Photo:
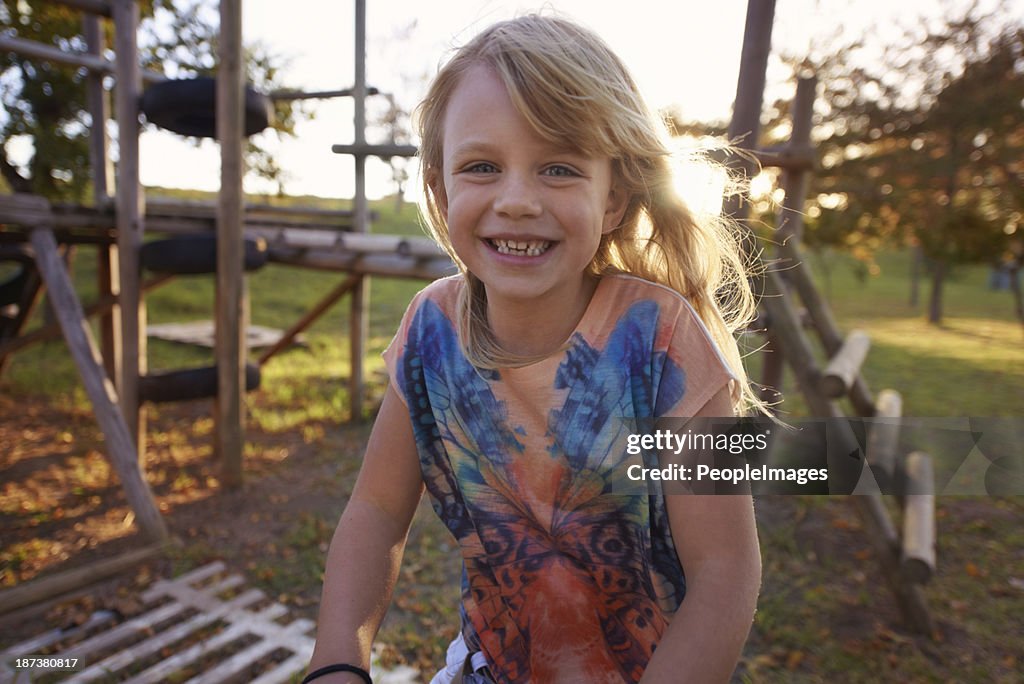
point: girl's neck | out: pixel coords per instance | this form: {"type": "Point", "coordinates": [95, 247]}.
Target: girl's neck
{"type": "Point", "coordinates": [538, 327]}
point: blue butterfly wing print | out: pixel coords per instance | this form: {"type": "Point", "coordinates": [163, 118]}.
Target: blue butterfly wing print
{"type": "Point", "coordinates": [608, 535]}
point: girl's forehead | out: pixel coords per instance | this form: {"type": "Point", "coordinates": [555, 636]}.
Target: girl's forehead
{"type": "Point", "coordinates": [481, 102]}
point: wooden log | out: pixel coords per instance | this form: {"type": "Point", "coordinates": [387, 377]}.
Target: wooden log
{"type": "Point", "coordinates": [391, 265]}
{"type": "Point", "coordinates": [794, 182]}
{"type": "Point", "coordinates": [48, 587]}
{"type": "Point", "coordinates": [844, 367]}
{"type": "Point", "coordinates": [789, 158]}
{"type": "Point", "coordinates": [881, 533]}
{"type": "Point", "coordinates": [917, 562]}
{"type": "Point", "coordinates": [745, 126]}
{"type": "Point", "coordinates": [120, 445]}
{"type": "Point", "coordinates": [384, 150]}
{"type": "Point", "coordinates": [314, 314]}
{"type": "Point", "coordinates": [232, 302]}
{"type": "Point", "coordinates": [130, 218]}
{"type": "Point", "coordinates": [360, 300]}
{"type": "Point", "coordinates": [824, 322]}
{"type": "Point", "coordinates": [37, 50]}
{"type": "Point", "coordinates": [883, 438]}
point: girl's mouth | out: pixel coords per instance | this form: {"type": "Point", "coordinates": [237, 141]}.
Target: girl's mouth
{"type": "Point", "coordinates": [520, 247]}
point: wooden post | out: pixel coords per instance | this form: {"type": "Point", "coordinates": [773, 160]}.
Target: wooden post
{"type": "Point", "coordinates": [130, 220]}
{"type": "Point", "coordinates": [361, 291]}
{"type": "Point", "coordinates": [845, 364]}
{"type": "Point", "coordinates": [790, 222]}
{"type": "Point", "coordinates": [231, 347]}
{"type": "Point", "coordinates": [791, 217]}
{"type": "Point", "coordinates": [745, 126]}
{"type": "Point", "coordinates": [102, 181]}
{"type": "Point", "coordinates": [119, 442]}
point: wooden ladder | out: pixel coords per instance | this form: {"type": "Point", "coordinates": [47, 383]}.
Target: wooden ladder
{"type": "Point", "coordinates": [906, 554]}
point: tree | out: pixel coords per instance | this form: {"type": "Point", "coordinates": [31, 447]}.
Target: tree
{"type": "Point", "coordinates": [44, 103]}
{"type": "Point", "coordinates": [923, 145]}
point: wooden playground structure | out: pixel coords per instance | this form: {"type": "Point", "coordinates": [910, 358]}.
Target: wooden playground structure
{"type": "Point", "coordinates": [233, 236]}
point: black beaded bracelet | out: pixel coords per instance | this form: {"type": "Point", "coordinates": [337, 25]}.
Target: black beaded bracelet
{"type": "Point", "coordinates": [339, 667]}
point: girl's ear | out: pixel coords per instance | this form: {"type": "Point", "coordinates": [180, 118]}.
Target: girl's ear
{"type": "Point", "coordinates": [615, 209]}
{"type": "Point", "coordinates": [435, 181]}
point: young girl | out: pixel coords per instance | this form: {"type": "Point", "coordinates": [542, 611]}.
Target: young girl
{"type": "Point", "coordinates": [588, 293]}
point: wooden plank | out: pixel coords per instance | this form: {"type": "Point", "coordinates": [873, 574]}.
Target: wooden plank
{"type": "Point", "coordinates": [166, 638]}
{"type": "Point", "coordinates": [36, 644]}
{"type": "Point", "coordinates": [71, 580]}
{"type": "Point", "coordinates": [239, 625]}
{"type": "Point", "coordinates": [844, 366]}
{"type": "Point", "coordinates": [120, 446]}
{"type": "Point", "coordinates": [917, 561]}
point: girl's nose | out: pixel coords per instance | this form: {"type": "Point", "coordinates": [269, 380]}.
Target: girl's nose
{"type": "Point", "coordinates": [517, 197]}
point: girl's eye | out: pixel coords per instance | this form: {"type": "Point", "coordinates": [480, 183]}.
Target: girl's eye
{"type": "Point", "coordinates": [482, 167]}
{"type": "Point", "coordinates": [560, 171]}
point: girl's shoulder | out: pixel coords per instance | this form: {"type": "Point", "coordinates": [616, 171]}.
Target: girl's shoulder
{"type": "Point", "coordinates": [679, 326]}
{"type": "Point", "coordinates": [444, 292]}
{"type": "Point", "coordinates": [627, 289]}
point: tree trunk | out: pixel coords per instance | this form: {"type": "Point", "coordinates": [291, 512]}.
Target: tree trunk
{"type": "Point", "coordinates": [1015, 288]}
{"type": "Point", "coordinates": [916, 262]}
{"type": "Point", "coordinates": [935, 302]}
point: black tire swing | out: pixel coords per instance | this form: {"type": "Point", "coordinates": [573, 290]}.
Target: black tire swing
{"type": "Point", "coordinates": [189, 107]}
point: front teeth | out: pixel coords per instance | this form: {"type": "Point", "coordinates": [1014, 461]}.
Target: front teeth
{"type": "Point", "coordinates": [531, 248]}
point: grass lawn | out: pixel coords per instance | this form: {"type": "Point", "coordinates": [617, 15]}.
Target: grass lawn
{"type": "Point", "coordinates": [824, 613]}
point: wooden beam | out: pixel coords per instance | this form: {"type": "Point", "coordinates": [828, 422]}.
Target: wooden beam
{"type": "Point", "coordinates": [120, 445]}
{"type": "Point", "coordinates": [231, 300]}
{"type": "Point", "coordinates": [104, 305]}
{"type": "Point", "coordinates": [917, 560]}
{"type": "Point", "coordinates": [383, 150]}
{"type": "Point", "coordinates": [315, 313]}
{"type": "Point", "coordinates": [37, 50]}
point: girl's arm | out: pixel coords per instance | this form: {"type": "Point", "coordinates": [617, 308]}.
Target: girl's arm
{"type": "Point", "coordinates": [366, 551]}
{"type": "Point", "coordinates": [716, 538]}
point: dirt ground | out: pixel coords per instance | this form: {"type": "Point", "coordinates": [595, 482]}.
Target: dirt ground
{"type": "Point", "coordinates": [822, 600]}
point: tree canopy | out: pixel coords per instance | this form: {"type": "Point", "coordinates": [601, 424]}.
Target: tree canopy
{"type": "Point", "coordinates": [921, 143]}
{"type": "Point", "coordinates": [44, 103]}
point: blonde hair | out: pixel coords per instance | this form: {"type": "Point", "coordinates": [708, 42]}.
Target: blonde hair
{"type": "Point", "coordinates": [572, 89]}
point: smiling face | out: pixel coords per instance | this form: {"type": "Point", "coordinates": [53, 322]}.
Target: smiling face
{"type": "Point", "coordinates": [524, 215]}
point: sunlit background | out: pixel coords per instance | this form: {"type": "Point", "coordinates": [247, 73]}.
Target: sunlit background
{"type": "Point", "coordinates": [684, 55]}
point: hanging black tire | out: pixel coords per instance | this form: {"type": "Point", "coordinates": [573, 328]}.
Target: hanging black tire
{"type": "Point", "coordinates": [189, 384]}
{"type": "Point", "coordinates": [195, 254]}
{"type": "Point", "coordinates": [189, 107]}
